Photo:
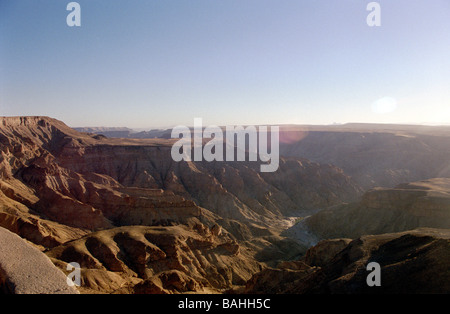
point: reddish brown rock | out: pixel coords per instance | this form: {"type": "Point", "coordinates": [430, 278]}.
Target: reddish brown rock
{"type": "Point", "coordinates": [156, 259]}
{"type": "Point", "coordinates": [90, 183]}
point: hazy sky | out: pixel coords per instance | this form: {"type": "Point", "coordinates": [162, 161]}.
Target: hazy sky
{"type": "Point", "coordinates": [165, 62]}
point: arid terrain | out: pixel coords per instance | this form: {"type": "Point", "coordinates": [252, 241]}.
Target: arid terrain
{"type": "Point", "coordinates": [138, 222]}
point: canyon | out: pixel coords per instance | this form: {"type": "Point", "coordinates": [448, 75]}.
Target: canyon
{"type": "Point", "coordinates": [139, 222]}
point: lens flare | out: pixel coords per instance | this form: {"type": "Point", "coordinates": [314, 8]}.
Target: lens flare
{"type": "Point", "coordinates": [384, 105]}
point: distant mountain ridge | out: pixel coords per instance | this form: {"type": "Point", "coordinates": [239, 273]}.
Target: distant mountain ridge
{"type": "Point", "coordinates": [371, 154]}
{"type": "Point", "coordinates": [124, 132]}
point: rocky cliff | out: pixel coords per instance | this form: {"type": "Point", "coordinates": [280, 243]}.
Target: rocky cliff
{"type": "Point", "coordinates": [385, 210]}
{"type": "Point", "coordinates": [411, 262]}
{"type": "Point", "coordinates": [374, 154]}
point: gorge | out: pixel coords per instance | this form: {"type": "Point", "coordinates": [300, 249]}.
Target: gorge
{"type": "Point", "coordinates": [139, 222]}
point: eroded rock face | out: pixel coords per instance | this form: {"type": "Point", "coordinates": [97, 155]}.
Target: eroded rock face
{"type": "Point", "coordinates": [137, 222]}
{"type": "Point", "coordinates": [232, 190]}
{"type": "Point", "coordinates": [382, 210]}
{"type": "Point", "coordinates": [140, 259]}
{"type": "Point", "coordinates": [414, 261]}
{"type": "Point", "coordinates": [53, 174]}
{"type": "Point", "coordinates": [49, 204]}
{"type": "Point", "coordinates": [421, 257]}
{"type": "Point", "coordinates": [374, 155]}
{"type": "Point", "coordinates": [321, 253]}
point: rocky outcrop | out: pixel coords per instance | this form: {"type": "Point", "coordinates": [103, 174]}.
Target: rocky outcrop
{"type": "Point", "coordinates": [412, 262]}
{"type": "Point", "coordinates": [140, 259]}
{"type": "Point", "coordinates": [324, 251]}
{"type": "Point", "coordinates": [382, 210]}
{"type": "Point", "coordinates": [26, 270]}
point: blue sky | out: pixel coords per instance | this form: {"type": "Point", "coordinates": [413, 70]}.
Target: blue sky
{"type": "Point", "coordinates": [158, 63]}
